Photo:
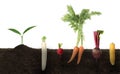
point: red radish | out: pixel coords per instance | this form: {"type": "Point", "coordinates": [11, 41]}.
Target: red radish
{"type": "Point", "coordinates": [60, 50]}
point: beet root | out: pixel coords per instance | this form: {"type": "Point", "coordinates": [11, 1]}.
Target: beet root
{"type": "Point", "coordinates": [96, 53]}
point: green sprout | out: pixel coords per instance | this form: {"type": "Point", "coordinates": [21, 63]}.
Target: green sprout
{"type": "Point", "coordinates": [76, 21]}
{"type": "Point", "coordinates": [60, 45]}
{"type": "Point", "coordinates": [43, 38]}
{"type": "Point", "coordinates": [21, 34]}
{"type": "Point", "coordinates": [100, 32]}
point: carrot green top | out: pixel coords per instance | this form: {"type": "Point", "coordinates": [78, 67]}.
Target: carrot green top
{"type": "Point", "coordinates": [76, 21]}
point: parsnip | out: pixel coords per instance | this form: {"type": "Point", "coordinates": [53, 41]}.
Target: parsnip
{"type": "Point", "coordinates": [112, 53]}
{"type": "Point", "coordinates": [44, 53]}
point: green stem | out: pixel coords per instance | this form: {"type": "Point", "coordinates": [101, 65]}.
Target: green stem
{"type": "Point", "coordinates": [59, 45]}
{"type": "Point", "coordinates": [22, 39]}
{"type": "Point", "coordinates": [78, 38]}
{"type": "Point", "coordinates": [82, 39]}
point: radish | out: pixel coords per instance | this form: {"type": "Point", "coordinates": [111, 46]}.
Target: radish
{"type": "Point", "coordinates": [60, 50]}
{"type": "Point", "coordinates": [44, 53]}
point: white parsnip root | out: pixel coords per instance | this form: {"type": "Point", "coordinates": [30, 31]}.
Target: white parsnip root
{"type": "Point", "coordinates": [44, 53]}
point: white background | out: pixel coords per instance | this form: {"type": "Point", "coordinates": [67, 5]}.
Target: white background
{"type": "Point", "coordinates": [47, 14]}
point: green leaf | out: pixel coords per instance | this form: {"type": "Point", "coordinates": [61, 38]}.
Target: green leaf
{"type": "Point", "coordinates": [70, 10]}
{"type": "Point", "coordinates": [29, 28]}
{"type": "Point", "coordinates": [100, 31]}
{"type": "Point", "coordinates": [66, 18]}
{"type": "Point", "coordinates": [15, 31]}
{"type": "Point", "coordinates": [95, 13]}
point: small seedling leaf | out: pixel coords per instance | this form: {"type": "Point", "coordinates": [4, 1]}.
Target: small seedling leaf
{"type": "Point", "coordinates": [29, 28]}
{"type": "Point", "coordinates": [15, 31]}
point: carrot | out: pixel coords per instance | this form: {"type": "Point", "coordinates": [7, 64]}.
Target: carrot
{"type": "Point", "coordinates": [74, 53]}
{"type": "Point", "coordinates": [81, 50]}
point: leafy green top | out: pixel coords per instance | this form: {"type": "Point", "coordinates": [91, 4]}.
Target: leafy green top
{"type": "Point", "coordinates": [76, 21]}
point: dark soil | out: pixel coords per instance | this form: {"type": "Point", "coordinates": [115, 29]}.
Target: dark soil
{"type": "Point", "coordinates": [20, 60]}
{"type": "Point", "coordinates": [25, 60]}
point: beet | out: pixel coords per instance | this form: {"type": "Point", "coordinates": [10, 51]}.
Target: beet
{"type": "Point", "coordinates": [96, 53]}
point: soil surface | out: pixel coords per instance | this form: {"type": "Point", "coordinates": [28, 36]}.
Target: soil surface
{"type": "Point", "coordinates": [25, 60]}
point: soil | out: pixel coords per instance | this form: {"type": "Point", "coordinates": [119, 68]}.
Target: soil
{"type": "Point", "coordinates": [26, 60]}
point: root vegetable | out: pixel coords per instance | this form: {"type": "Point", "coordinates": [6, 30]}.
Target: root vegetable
{"type": "Point", "coordinates": [60, 50]}
{"type": "Point", "coordinates": [74, 53]}
{"type": "Point", "coordinates": [81, 50]}
{"type": "Point", "coordinates": [96, 51]}
{"type": "Point", "coordinates": [44, 53]}
{"type": "Point", "coordinates": [112, 53]}
{"type": "Point", "coordinates": [76, 21]}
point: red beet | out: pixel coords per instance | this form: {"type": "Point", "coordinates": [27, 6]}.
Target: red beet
{"type": "Point", "coordinates": [96, 53]}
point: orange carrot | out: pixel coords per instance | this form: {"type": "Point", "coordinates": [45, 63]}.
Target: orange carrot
{"type": "Point", "coordinates": [81, 50]}
{"type": "Point", "coordinates": [74, 53]}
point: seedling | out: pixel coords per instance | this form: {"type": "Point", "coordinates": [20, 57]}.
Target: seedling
{"type": "Point", "coordinates": [21, 34]}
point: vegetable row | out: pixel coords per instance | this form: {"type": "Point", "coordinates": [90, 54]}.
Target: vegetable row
{"type": "Point", "coordinates": [76, 22]}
